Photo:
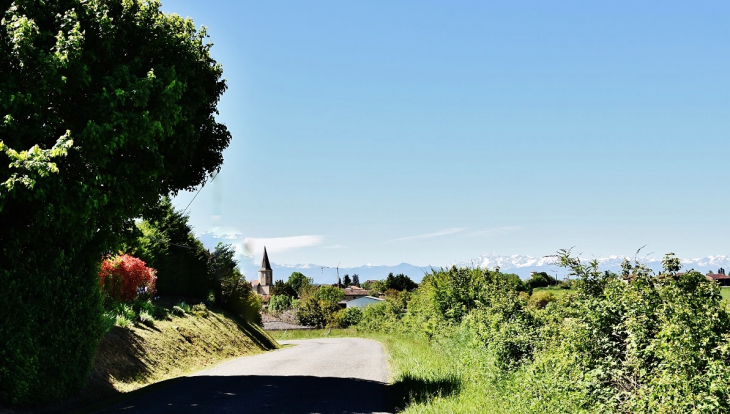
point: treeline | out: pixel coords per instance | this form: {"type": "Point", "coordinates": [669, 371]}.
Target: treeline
{"type": "Point", "coordinates": [303, 302]}
{"type": "Point", "coordinates": [630, 342]}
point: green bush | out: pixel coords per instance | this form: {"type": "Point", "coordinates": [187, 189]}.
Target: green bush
{"type": "Point", "coordinates": [279, 303]}
{"type": "Point", "coordinates": [352, 316]}
{"type": "Point", "coordinates": [541, 299]}
{"type": "Point", "coordinates": [317, 313]}
{"type": "Point", "coordinates": [329, 293]}
{"type": "Point", "coordinates": [381, 317]}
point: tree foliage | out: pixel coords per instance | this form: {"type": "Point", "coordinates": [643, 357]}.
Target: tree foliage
{"type": "Point", "coordinates": [329, 294]}
{"type": "Point", "coordinates": [400, 282]}
{"type": "Point", "coordinates": [298, 282]}
{"type": "Point", "coordinates": [167, 243]}
{"type": "Point", "coordinates": [122, 278]}
{"type": "Point", "coordinates": [282, 288]}
{"type": "Point", "coordinates": [104, 107]}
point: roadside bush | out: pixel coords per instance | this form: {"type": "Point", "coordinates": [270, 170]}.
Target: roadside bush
{"type": "Point", "coordinates": [123, 278]}
{"type": "Point", "coordinates": [381, 317]}
{"type": "Point", "coordinates": [317, 313]}
{"type": "Point", "coordinates": [352, 316]}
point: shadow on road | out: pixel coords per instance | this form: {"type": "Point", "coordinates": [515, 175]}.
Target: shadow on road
{"type": "Point", "coordinates": [272, 394]}
{"type": "Point", "coordinates": [259, 394]}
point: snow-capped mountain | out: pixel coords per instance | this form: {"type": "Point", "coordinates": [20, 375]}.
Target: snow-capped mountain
{"type": "Point", "coordinates": [517, 264]}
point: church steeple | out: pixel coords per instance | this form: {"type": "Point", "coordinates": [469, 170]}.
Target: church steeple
{"type": "Point", "coordinates": [265, 265]}
{"type": "Point", "coordinates": [266, 276]}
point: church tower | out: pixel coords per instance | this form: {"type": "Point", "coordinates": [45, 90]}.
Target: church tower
{"type": "Point", "coordinates": [266, 277]}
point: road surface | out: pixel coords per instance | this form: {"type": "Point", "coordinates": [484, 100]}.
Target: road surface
{"type": "Point", "coordinates": [329, 375]}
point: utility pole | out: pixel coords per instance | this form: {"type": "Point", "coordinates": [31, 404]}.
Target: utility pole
{"type": "Point", "coordinates": [339, 282]}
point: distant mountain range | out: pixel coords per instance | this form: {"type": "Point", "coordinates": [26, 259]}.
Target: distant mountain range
{"type": "Point", "coordinates": [518, 264]}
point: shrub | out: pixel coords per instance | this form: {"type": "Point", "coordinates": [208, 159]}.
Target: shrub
{"type": "Point", "coordinates": [123, 278]}
{"type": "Point", "coordinates": [279, 303]}
{"type": "Point", "coordinates": [329, 293]}
{"type": "Point", "coordinates": [381, 317]}
{"type": "Point", "coordinates": [317, 313]}
{"type": "Point", "coordinates": [540, 300]}
{"type": "Point", "coordinates": [200, 310]}
{"type": "Point", "coordinates": [352, 316]}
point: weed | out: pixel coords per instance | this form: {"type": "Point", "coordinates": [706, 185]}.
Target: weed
{"type": "Point", "coordinates": [178, 311]}
{"type": "Point", "coordinates": [146, 318]}
{"type": "Point", "coordinates": [200, 310]}
{"type": "Point", "coordinates": [123, 322]}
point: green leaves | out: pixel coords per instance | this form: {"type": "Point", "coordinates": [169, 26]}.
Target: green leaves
{"type": "Point", "coordinates": [33, 164]}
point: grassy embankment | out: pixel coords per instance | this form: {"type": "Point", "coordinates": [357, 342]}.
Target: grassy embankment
{"type": "Point", "coordinates": [140, 355]}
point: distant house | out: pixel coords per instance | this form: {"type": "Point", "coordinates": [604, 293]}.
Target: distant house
{"type": "Point", "coordinates": [722, 280]}
{"type": "Point", "coordinates": [363, 302]}
{"type": "Point", "coordinates": [354, 292]}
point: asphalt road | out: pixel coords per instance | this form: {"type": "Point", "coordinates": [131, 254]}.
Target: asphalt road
{"type": "Point", "coordinates": [332, 375]}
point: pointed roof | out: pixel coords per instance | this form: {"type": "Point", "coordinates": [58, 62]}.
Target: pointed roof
{"type": "Point", "coordinates": [265, 265]}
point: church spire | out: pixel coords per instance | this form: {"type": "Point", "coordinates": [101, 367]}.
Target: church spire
{"type": "Point", "coordinates": [265, 265]}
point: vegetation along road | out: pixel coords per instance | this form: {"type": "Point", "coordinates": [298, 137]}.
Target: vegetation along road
{"type": "Point", "coordinates": [314, 375]}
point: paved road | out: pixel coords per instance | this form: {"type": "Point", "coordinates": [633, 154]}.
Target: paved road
{"type": "Point", "coordinates": [333, 375]}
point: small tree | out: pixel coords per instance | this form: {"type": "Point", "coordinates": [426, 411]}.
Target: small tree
{"type": "Point", "coordinates": [356, 280]}
{"type": "Point", "coordinates": [329, 293]}
{"type": "Point", "coordinates": [346, 281]}
{"type": "Point", "coordinates": [282, 288]}
{"type": "Point", "coordinates": [400, 282]}
{"type": "Point", "coordinates": [298, 282]}
{"type": "Point", "coordinates": [123, 278]}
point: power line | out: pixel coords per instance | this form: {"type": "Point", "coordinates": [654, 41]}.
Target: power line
{"type": "Point", "coordinates": [201, 189]}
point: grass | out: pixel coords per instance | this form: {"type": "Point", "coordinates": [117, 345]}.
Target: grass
{"type": "Point", "coordinates": [725, 292]}
{"type": "Point", "coordinates": [151, 351]}
{"type": "Point", "coordinates": [557, 291]}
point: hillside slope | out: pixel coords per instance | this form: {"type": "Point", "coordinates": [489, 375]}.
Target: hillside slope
{"type": "Point", "coordinates": [131, 358]}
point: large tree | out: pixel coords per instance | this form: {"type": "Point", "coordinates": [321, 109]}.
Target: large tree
{"type": "Point", "coordinates": [105, 105]}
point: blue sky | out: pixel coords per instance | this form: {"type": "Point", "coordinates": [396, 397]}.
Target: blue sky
{"type": "Point", "coordinates": [434, 132]}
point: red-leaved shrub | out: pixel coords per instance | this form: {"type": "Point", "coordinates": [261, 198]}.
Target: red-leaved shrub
{"type": "Point", "coordinates": [124, 277]}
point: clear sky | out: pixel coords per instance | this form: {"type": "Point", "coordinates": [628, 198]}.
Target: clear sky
{"type": "Point", "coordinates": [434, 132]}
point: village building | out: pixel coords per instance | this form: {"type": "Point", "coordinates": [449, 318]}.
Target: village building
{"type": "Point", "coordinates": [355, 292]}
{"type": "Point", "coordinates": [721, 279]}
{"type": "Point", "coordinates": [266, 278]}
{"type": "Point", "coordinates": [363, 302]}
